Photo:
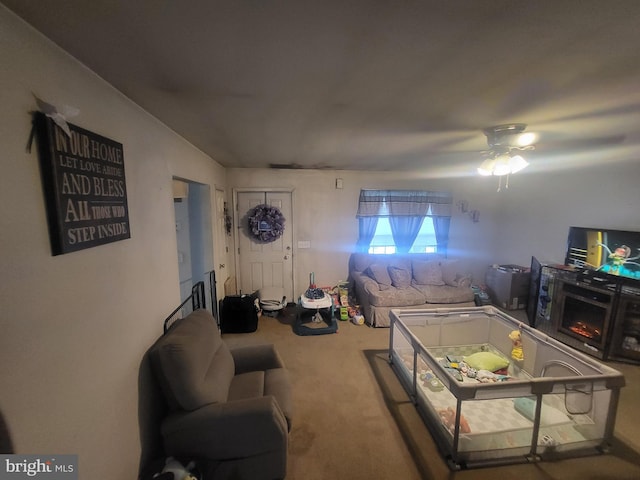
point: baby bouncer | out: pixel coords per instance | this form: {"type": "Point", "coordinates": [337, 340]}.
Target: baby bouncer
{"type": "Point", "coordinates": [316, 314]}
{"type": "Point", "coordinates": [272, 300]}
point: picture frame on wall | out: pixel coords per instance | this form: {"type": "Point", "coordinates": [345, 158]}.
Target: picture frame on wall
{"type": "Point", "coordinates": [84, 186]}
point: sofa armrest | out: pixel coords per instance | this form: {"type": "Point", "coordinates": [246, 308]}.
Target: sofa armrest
{"type": "Point", "coordinates": [251, 358]}
{"type": "Point", "coordinates": [228, 430]}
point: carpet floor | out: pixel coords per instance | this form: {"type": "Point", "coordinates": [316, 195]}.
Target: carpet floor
{"type": "Point", "coordinates": [354, 421]}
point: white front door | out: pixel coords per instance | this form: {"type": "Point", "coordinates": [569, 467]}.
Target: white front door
{"type": "Point", "coordinates": [264, 264]}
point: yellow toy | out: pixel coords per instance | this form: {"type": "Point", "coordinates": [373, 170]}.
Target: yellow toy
{"type": "Point", "coordinates": [516, 352]}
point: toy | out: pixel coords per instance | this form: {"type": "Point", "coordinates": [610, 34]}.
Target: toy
{"type": "Point", "coordinates": [547, 441]}
{"type": "Point", "coordinates": [448, 418]}
{"type": "Point", "coordinates": [485, 376]}
{"type": "Point", "coordinates": [175, 468]}
{"type": "Point", "coordinates": [455, 374]}
{"type": "Point", "coordinates": [430, 381]}
{"type": "Point", "coordinates": [516, 352]}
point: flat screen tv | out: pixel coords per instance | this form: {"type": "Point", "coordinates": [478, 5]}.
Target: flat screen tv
{"type": "Point", "coordinates": [615, 252]}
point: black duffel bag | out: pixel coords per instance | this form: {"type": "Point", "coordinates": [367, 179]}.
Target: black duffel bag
{"type": "Point", "coordinates": [238, 314]}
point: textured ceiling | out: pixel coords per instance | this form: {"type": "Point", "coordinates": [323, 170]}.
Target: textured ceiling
{"type": "Point", "coordinates": [367, 85]}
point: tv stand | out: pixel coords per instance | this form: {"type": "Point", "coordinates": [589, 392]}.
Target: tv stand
{"type": "Point", "coordinates": [595, 313]}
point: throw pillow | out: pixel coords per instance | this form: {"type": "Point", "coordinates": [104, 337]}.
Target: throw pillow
{"type": "Point", "coordinates": [450, 269]}
{"type": "Point", "coordinates": [380, 274]}
{"type": "Point", "coordinates": [400, 278]}
{"type": "Point", "coordinates": [463, 280]}
{"type": "Point", "coordinates": [427, 273]}
{"type": "Point", "coordinates": [486, 361]}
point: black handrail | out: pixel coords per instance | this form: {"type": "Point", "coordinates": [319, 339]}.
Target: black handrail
{"type": "Point", "coordinates": [197, 299]}
{"type": "Point", "coordinates": [214, 296]}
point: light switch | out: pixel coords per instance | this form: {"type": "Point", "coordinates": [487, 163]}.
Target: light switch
{"type": "Point", "coordinates": [304, 244]}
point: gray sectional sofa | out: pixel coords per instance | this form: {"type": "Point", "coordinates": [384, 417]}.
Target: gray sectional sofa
{"type": "Point", "coordinates": [407, 281]}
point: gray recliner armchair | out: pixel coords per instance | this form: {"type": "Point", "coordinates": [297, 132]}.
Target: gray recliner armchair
{"type": "Point", "coordinates": [228, 408]}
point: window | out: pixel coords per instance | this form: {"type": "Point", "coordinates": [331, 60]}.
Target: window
{"type": "Point", "coordinates": [383, 243]}
{"type": "Point", "coordinates": [401, 221]}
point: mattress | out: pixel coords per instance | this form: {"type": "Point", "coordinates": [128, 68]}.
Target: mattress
{"type": "Point", "coordinates": [498, 423]}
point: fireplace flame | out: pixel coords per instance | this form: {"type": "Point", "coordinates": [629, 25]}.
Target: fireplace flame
{"type": "Point", "coordinates": [585, 330]}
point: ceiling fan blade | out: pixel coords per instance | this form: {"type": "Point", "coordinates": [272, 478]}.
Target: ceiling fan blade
{"type": "Point", "coordinates": [580, 143]}
{"type": "Point", "coordinates": [520, 101]}
{"type": "Point", "coordinates": [611, 111]}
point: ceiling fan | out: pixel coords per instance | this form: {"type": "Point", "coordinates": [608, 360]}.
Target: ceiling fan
{"type": "Point", "coordinates": [505, 142]}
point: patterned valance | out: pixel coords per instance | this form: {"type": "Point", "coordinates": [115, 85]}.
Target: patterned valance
{"type": "Point", "coordinates": [404, 203]}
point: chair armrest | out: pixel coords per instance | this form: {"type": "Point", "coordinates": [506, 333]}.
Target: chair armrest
{"type": "Point", "coordinates": [220, 431]}
{"type": "Point", "coordinates": [251, 358]}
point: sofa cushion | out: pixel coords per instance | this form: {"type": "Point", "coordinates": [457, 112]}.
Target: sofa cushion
{"type": "Point", "coordinates": [400, 277]}
{"type": "Point", "coordinates": [274, 382]}
{"type": "Point", "coordinates": [396, 297]}
{"type": "Point", "coordinates": [462, 280]}
{"type": "Point", "coordinates": [246, 385]}
{"type": "Point", "coordinates": [427, 273]}
{"type": "Point", "coordinates": [445, 293]}
{"type": "Point", "coordinates": [450, 268]}
{"type": "Point", "coordinates": [192, 364]}
{"type": "Point", "coordinates": [453, 275]}
{"type": "Point", "coordinates": [380, 274]}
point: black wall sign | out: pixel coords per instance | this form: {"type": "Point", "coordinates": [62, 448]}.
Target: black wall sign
{"type": "Point", "coordinates": [84, 186]}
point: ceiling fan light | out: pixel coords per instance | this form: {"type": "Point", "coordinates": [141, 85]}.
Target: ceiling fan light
{"type": "Point", "coordinates": [517, 163]}
{"type": "Point", "coordinates": [486, 167]}
{"type": "Point", "coordinates": [526, 139]}
{"type": "Point", "coordinates": [502, 165]}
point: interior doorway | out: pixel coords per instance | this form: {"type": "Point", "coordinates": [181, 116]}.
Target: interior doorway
{"type": "Point", "coordinates": [192, 206]}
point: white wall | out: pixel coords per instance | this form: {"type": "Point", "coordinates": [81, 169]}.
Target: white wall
{"type": "Point", "coordinates": [74, 327]}
{"type": "Point", "coordinates": [531, 217]}
{"type": "Point", "coordinates": [535, 216]}
{"type": "Point", "coordinates": [326, 216]}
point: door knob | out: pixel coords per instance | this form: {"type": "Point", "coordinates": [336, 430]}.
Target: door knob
{"type": "Point", "coordinates": [286, 257]}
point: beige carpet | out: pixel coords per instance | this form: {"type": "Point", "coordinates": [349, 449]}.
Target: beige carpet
{"type": "Point", "coordinates": [353, 420]}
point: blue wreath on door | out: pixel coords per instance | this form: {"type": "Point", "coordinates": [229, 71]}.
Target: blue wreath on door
{"type": "Point", "coordinates": [266, 223]}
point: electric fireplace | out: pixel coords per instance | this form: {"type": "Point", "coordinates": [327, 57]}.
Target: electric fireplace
{"type": "Point", "coordinates": [584, 314]}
